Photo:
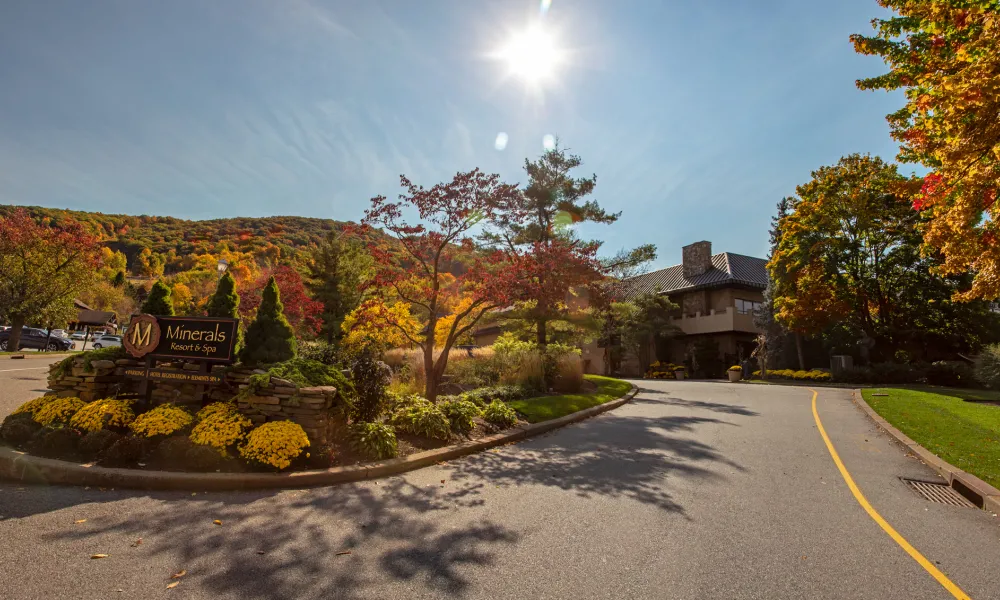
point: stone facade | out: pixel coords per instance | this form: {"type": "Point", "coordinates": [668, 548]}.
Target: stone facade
{"type": "Point", "coordinates": [314, 408]}
{"type": "Point", "coordinates": [696, 258]}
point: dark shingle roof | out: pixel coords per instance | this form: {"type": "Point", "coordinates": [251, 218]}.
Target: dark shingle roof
{"type": "Point", "coordinates": [727, 268]}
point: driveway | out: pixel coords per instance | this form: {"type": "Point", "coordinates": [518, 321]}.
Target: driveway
{"type": "Point", "coordinates": [693, 490]}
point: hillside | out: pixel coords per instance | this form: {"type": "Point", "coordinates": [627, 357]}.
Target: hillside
{"type": "Point", "coordinates": [269, 239]}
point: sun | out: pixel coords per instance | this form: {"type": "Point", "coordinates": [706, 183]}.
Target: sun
{"type": "Point", "coordinates": [532, 55]}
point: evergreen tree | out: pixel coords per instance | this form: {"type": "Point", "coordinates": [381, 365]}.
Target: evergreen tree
{"type": "Point", "coordinates": [158, 302]}
{"type": "Point", "coordinates": [225, 303]}
{"type": "Point", "coordinates": [334, 278]}
{"type": "Point", "coordinates": [270, 338]}
{"type": "Point", "coordinates": [119, 280]}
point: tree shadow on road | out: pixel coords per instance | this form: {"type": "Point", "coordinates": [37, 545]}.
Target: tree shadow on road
{"type": "Point", "coordinates": [345, 541]}
{"type": "Point", "coordinates": [616, 456]}
{"type": "Point", "coordinates": [651, 396]}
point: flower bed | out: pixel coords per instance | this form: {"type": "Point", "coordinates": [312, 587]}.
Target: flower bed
{"type": "Point", "coordinates": [664, 370]}
{"type": "Point", "coordinates": [791, 374]}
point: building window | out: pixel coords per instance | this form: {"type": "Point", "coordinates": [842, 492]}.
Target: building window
{"type": "Point", "coordinates": [747, 307]}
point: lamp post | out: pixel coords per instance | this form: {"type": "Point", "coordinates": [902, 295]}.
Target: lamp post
{"type": "Point", "coordinates": [222, 266]}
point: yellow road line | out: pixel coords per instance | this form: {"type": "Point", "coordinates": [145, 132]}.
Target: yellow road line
{"type": "Point", "coordinates": [917, 556]}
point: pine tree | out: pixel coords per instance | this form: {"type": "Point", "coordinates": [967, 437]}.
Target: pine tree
{"type": "Point", "coordinates": [225, 303]}
{"type": "Point", "coordinates": [269, 339]}
{"type": "Point", "coordinates": [334, 278]}
{"type": "Point", "coordinates": [158, 302]}
{"type": "Point", "coordinates": [119, 280]}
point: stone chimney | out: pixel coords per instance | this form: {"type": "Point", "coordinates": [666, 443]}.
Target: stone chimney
{"type": "Point", "coordinates": [696, 258]}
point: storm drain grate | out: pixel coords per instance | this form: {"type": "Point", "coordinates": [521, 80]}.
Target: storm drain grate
{"type": "Point", "coordinates": [942, 493]}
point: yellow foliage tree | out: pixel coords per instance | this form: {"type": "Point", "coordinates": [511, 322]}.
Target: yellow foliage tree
{"type": "Point", "coordinates": [369, 324]}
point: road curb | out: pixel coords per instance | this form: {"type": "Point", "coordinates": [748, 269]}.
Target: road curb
{"type": "Point", "coordinates": [21, 467]}
{"type": "Point", "coordinates": [975, 489]}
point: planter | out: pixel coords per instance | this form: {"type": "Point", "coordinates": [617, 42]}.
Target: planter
{"type": "Point", "coordinates": [679, 375]}
{"type": "Point", "coordinates": [735, 376]}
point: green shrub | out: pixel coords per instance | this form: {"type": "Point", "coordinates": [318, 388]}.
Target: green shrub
{"type": "Point", "coordinates": [374, 440]}
{"type": "Point", "coordinates": [94, 445]}
{"type": "Point", "coordinates": [951, 373]}
{"type": "Point", "coordinates": [109, 353]}
{"type": "Point", "coordinates": [460, 414]}
{"type": "Point", "coordinates": [270, 339]}
{"type": "Point", "coordinates": [500, 414]}
{"type": "Point", "coordinates": [328, 354]}
{"type": "Point", "coordinates": [55, 442]}
{"type": "Point", "coordinates": [988, 367]}
{"type": "Point", "coordinates": [504, 393]}
{"type": "Point", "coordinates": [203, 459]}
{"type": "Point", "coordinates": [172, 451]}
{"type": "Point", "coordinates": [225, 303]}
{"type": "Point", "coordinates": [305, 372]}
{"type": "Point", "coordinates": [370, 377]}
{"type": "Point", "coordinates": [125, 452]}
{"type": "Point", "coordinates": [18, 429]}
{"type": "Point", "coordinates": [424, 419]}
{"type": "Point", "coordinates": [158, 301]}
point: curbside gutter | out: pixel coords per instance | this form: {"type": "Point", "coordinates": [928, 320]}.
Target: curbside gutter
{"type": "Point", "coordinates": [980, 493]}
{"type": "Point", "coordinates": [21, 467]}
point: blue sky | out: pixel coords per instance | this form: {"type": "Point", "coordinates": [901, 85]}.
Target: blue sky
{"type": "Point", "coordinates": [696, 116]}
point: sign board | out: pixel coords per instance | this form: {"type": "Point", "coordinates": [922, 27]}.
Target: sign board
{"type": "Point", "coordinates": [193, 338]}
{"type": "Point", "coordinates": [177, 375]}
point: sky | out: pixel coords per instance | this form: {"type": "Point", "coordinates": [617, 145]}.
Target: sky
{"type": "Point", "coordinates": [696, 117]}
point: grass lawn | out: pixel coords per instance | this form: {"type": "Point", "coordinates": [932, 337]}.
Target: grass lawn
{"type": "Point", "coordinates": [963, 433]}
{"type": "Point", "coordinates": [544, 408]}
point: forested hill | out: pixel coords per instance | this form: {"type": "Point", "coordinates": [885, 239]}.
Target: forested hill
{"type": "Point", "coordinates": [171, 238]}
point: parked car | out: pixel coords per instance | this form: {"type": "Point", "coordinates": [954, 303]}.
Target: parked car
{"type": "Point", "coordinates": [35, 338]}
{"type": "Point", "coordinates": [107, 341]}
{"type": "Point", "coordinates": [78, 335]}
{"type": "Point", "coordinates": [58, 333]}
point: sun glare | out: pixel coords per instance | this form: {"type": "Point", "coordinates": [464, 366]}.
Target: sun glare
{"type": "Point", "coordinates": [532, 55]}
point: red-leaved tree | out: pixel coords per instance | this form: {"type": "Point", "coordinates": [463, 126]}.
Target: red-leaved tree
{"type": "Point", "coordinates": [302, 312]}
{"type": "Point", "coordinates": [42, 269]}
{"type": "Point", "coordinates": [413, 268]}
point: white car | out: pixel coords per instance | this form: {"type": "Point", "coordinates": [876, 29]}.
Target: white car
{"type": "Point", "coordinates": [107, 341]}
{"type": "Point", "coordinates": [78, 335]}
{"type": "Point", "coordinates": [58, 333]}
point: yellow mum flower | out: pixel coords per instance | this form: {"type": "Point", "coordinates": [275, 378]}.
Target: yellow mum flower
{"type": "Point", "coordinates": [32, 406]}
{"type": "Point", "coordinates": [103, 413]}
{"type": "Point", "coordinates": [58, 411]}
{"type": "Point", "coordinates": [165, 419]}
{"type": "Point", "coordinates": [276, 443]}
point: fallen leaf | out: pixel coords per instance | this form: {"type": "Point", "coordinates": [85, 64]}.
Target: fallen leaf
{"type": "Point", "coordinates": [260, 552]}
{"type": "Point", "coordinates": [171, 586]}
{"type": "Point", "coordinates": [217, 522]}
{"type": "Point", "coordinates": [194, 493]}
{"type": "Point", "coordinates": [342, 552]}
{"type": "Point", "coordinates": [98, 556]}
{"type": "Point", "coordinates": [137, 542]}
{"type": "Point", "coordinates": [179, 574]}
{"type": "Point", "coordinates": [78, 521]}
{"type": "Point", "coordinates": [442, 481]}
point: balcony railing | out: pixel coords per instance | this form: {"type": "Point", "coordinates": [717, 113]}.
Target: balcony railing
{"type": "Point", "coordinates": [716, 322]}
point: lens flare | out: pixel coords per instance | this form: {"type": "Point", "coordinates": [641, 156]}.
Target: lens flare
{"type": "Point", "coordinates": [501, 142]}
{"type": "Point", "coordinates": [548, 142]}
{"type": "Point", "coordinates": [532, 54]}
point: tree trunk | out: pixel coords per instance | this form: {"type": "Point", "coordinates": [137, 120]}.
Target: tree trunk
{"type": "Point", "coordinates": [798, 350]}
{"type": "Point", "coordinates": [16, 323]}
{"type": "Point", "coordinates": [48, 336]}
{"type": "Point", "coordinates": [541, 338]}
{"type": "Point", "coordinates": [430, 375]}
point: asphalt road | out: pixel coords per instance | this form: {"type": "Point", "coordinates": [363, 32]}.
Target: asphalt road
{"type": "Point", "coordinates": [693, 490]}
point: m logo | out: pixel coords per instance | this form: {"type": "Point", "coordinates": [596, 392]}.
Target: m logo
{"type": "Point", "coordinates": [143, 335]}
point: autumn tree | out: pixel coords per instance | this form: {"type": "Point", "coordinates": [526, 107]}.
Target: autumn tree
{"type": "Point", "coordinates": [411, 269]}
{"type": "Point", "coordinates": [158, 302]}
{"type": "Point", "coordinates": [365, 326]}
{"type": "Point", "coordinates": [946, 56]}
{"type": "Point", "coordinates": [536, 227]}
{"type": "Point", "coordinates": [182, 299]}
{"type": "Point", "coordinates": [302, 312]}
{"type": "Point", "coordinates": [848, 264]}
{"type": "Point", "coordinates": [335, 276]}
{"type": "Point", "coordinates": [42, 269]}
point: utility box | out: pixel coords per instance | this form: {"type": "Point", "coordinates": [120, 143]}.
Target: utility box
{"type": "Point", "coordinates": [840, 363]}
